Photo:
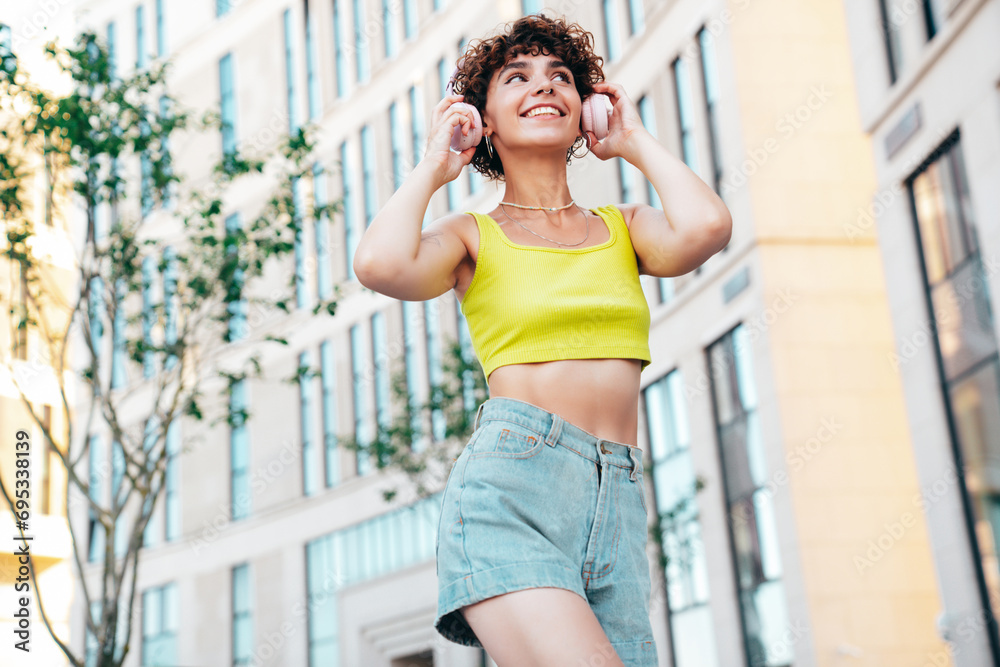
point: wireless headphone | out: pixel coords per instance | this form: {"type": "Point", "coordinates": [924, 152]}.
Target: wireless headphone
{"type": "Point", "coordinates": [594, 117]}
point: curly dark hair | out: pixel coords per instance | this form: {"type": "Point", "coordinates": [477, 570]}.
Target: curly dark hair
{"type": "Point", "coordinates": [529, 35]}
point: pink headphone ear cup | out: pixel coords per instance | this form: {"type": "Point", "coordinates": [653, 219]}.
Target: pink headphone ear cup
{"type": "Point", "coordinates": [460, 142]}
{"type": "Point", "coordinates": [594, 115]}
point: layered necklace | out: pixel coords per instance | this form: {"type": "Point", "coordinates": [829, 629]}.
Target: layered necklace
{"type": "Point", "coordinates": [545, 208]}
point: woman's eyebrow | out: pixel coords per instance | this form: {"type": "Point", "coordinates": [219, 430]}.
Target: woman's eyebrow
{"type": "Point", "coordinates": [521, 64]}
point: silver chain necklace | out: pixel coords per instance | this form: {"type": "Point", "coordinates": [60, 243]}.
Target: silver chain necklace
{"type": "Point", "coordinates": [544, 208]}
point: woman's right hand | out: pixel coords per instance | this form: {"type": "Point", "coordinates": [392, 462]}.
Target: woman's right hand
{"type": "Point", "coordinates": [444, 119]}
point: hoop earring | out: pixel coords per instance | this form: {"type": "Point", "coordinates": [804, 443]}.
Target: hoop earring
{"type": "Point", "coordinates": [489, 147]}
{"type": "Point", "coordinates": [576, 145]}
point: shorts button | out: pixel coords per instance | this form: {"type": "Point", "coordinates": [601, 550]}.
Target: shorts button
{"type": "Point", "coordinates": [605, 449]}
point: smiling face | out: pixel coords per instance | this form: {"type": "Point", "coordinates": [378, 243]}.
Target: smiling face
{"type": "Point", "coordinates": [521, 110]}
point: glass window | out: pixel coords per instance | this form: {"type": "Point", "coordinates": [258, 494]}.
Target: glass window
{"type": "Point", "coordinates": [340, 41]}
{"type": "Point", "coordinates": [379, 345]}
{"type": "Point", "coordinates": [159, 626]}
{"type": "Point", "coordinates": [531, 6]}
{"type": "Point", "coordinates": [324, 273]}
{"type": "Point", "coordinates": [360, 43]}
{"type": "Point", "coordinates": [435, 374]}
{"type": "Point", "coordinates": [411, 339]}
{"type": "Point", "coordinates": [648, 117]}
{"type": "Point", "coordinates": [452, 187]}
{"type": "Point", "coordinates": [170, 304]}
{"type": "Point", "coordinates": [292, 103]}
{"type": "Point", "coordinates": [112, 51]}
{"type": "Point", "coordinates": [931, 18]}
{"type": "Point", "coordinates": [410, 17]}
{"type": "Point", "coordinates": [625, 181]}
{"type": "Point", "coordinates": [675, 487]}
{"type": "Point", "coordinates": [347, 186]}
{"type": "Point", "coordinates": [685, 113]}
{"type": "Point", "coordinates": [96, 460]}
{"type": "Point", "coordinates": [5, 39]}
{"type": "Point", "coordinates": [118, 497]}
{"type": "Point", "coordinates": [468, 356]}
{"type": "Point", "coordinates": [957, 285]}
{"type": "Point", "coordinates": [172, 487]}
{"type": "Point", "coordinates": [310, 471]}
{"type": "Point", "coordinates": [119, 356]}
{"type": "Point", "coordinates": [329, 384]}
{"type": "Point", "coordinates": [242, 604]}
{"type": "Point", "coordinates": [891, 35]}
{"type": "Point", "coordinates": [238, 328]}
{"type": "Point", "coordinates": [389, 32]}
{"type": "Point", "coordinates": [141, 52]}
{"type": "Point", "coordinates": [227, 104]}
{"type": "Point", "coordinates": [148, 316]}
{"type": "Point", "coordinates": [312, 75]}
{"type": "Point", "coordinates": [222, 7]}
{"type": "Point", "coordinates": [709, 73]}
{"type": "Point", "coordinates": [612, 33]}
{"type": "Point", "coordinates": [301, 289]}
{"type": "Point", "coordinates": [752, 526]}
{"type": "Point", "coordinates": [161, 30]}
{"type": "Point", "coordinates": [368, 173]}
{"type": "Point", "coordinates": [239, 451]}
{"type": "Point", "coordinates": [359, 358]}
{"type": "Point", "coordinates": [396, 134]}
{"type": "Point", "coordinates": [636, 16]}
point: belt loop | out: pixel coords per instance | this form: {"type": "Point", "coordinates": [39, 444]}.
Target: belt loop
{"type": "Point", "coordinates": [475, 424]}
{"type": "Point", "coordinates": [635, 463]}
{"type": "Point", "coordinates": [555, 432]}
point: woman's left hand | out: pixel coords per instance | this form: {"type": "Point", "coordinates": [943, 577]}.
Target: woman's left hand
{"type": "Point", "coordinates": [624, 124]}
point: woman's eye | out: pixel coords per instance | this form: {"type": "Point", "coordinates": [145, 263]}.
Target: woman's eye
{"type": "Point", "coordinates": [562, 74]}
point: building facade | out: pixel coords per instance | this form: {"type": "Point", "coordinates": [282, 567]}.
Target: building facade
{"type": "Point", "coordinates": [774, 426]}
{"type": "Point", "coordinates": [928, 75]}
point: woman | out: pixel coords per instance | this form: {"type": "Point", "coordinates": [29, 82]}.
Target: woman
{"type": "Point", "coordinates": [541, 548]}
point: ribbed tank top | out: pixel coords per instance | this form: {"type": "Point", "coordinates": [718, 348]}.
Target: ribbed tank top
{"type": "Point", "coordinates": [531, 304]}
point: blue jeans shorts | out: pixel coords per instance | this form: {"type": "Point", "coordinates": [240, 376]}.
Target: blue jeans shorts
{"type": "Point", "coordinates": [534, 501]}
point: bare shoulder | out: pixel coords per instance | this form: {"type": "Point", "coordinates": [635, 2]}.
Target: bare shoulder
{"type": "Point", "coordinates": [628, 211]}
{"type": "Point", "coordinates": [458, 224]}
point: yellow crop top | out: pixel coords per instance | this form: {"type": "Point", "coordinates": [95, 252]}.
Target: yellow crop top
{"type": "Point", "coordinates": [531, 304]}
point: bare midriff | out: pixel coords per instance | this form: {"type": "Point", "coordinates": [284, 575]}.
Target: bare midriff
{"type": "Point", "coordinates": [600, 396]}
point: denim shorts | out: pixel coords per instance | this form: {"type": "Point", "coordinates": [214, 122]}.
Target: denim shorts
{"type": "Point", "coordinates": [534, 501]}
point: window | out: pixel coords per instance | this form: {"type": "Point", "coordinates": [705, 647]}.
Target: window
{"type": "Point", "coordinates": [118, 497]}
{"type": "Point", "coordinates": [340, 47]}
{"type": "Point", "coordinates": [312, 76]}
{"type": "Point", "coordinates": [161, 31]}
{"type": "Point", "coordinates": [227, 106]}
{"type": "Point", "coordinates": [238, 328]}
{"type": "Point", "coordinates": [165, 157]}
{"type": "Point", "coordinates": [530, 6]}
{"type": "Point", "coordinates": [931, 18]}
{"type": "Point", "coordinates": [389, 32]}
{"type": "Point", "coordinates": [625, 181]}
{"type": "Point", "coordinates": [222, 7]}
{"type": "Point", "coordinates": [239, 451]}
{"type": "Point", "coordinates": [685, 113]}
{"type": "Point", "coordinates": [435, 374]}
{"type": "Point", "coordinates": [451, 188]}
{"type": "Point", "coordinates": [347, 185]}
{"type": "Point", "coordinates": [649, 122]}
{"type": "Point", "coordinates": [141, 54]}
{"type": "Point", "coordinates": [310, 473]}
{"type": "Point", "coordinates": [160, 615]}
{"type": "Point", "coordinates": [396, 133]}
{"type": "Point", "coordinates": [636, 19]}
{"type": "Point", "coordinates": [292, 102]}
{"type": "Point", "coordinates": [119, 356]}
{"type": "Point", "coordinates": [324, 274]}
{"type": "Point", "coordinates": [957, 291]}
{"type": "Point", "coordinates": [359, 356]}
{"type": "Point", "coordinates": [112, 55]}
{"type": "Point", "coordinates": [417, 134]}
{"type": "Point", "coordinates": [381, 374]}
{"type": "Point", "coordinates": [170, 304]}
{"type": "Point", "coordinates": [328, 373]}
{"type": "Point", "coordinates": [710, 81]}
{"type": "Point", "coordinates": [475, 178]}
{"type": "Point", "coordinates": [242, 603]}
{"type": "Point", "coordinates": [5, 39]}
{"type": "Point", "coordinates": [96, 460]}
{"type": "Point", "coordinates": [148, 316]}
{"type": "Point", "coordinates": [891, 36]}
{"type": "Point", "coordinates": [96, 319]}
{"type": "Point", "coordinates": [360, 42]}
{"type": "Point", "coordinates": [611, 30]}
{"type": "Point", "coordinates": [171, 482]}
{"type": "Point", "coordinates": [411, 338]}
{"type": "Point", "coordinates": [301, 293]}
{"type": "Point", "coordinates": [368, 173]}
{"type": "Point", "coordinates": [468, 356]}
{"type": "Point", "coordinates": [752, 527]}
{"type": "Point", "coordinates": [410, 18]}
{"type": "Point", "coordinates": [686, 574]}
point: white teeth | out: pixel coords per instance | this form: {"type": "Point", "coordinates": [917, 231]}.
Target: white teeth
{"type": "Point", "coordinates": [537, 111]}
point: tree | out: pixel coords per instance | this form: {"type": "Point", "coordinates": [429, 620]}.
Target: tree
{"type": "Point", "coordinates": [91, 145]}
